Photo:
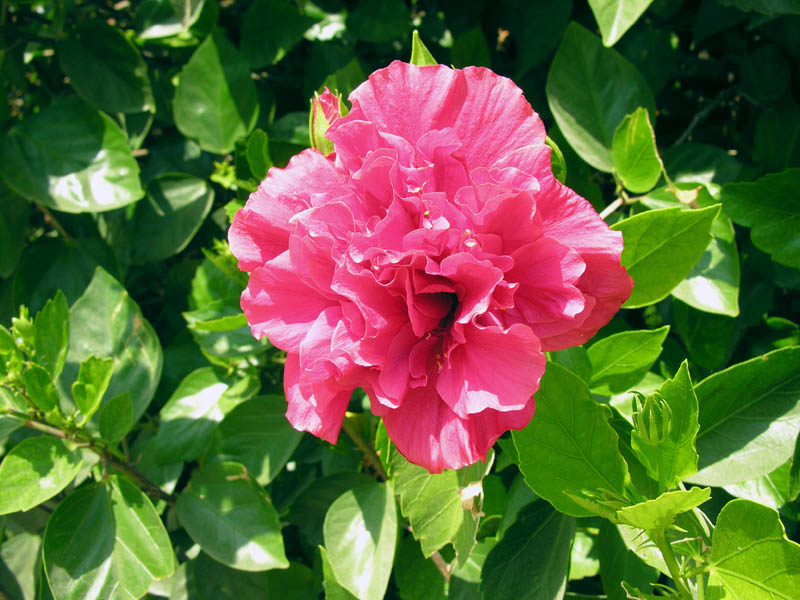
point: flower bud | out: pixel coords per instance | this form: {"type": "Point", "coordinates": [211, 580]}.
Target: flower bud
{"type": "Point", "coordinates": [652, 417]}
{"type": "Point", "coordinates": [325, 109]}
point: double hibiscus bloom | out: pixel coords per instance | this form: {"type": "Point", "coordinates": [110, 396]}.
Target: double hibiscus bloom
{"type": "Point", "coordinates": [431, 260]}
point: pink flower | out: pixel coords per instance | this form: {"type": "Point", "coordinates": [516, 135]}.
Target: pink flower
{"type": "Point", "coordinates": [431, 260]}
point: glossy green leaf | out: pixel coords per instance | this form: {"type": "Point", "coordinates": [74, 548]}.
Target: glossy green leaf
{"type": "Point", "coordinates": [215, 101]}
{"type": "Point", "coordinates": [749, 417]}
{"type": "Point", "coordinates": [379, 20]}
{"type": "Point", "coordinates": [308, 511]}
{"type": "Point", "coordinates": [532, 558]}
{"type": "Point", "coordinates": [557, 161]}
{"type": "Point", "coordinates": [777, 137]}
{"type": "Point", "coordinates": [707, 337]}
{"type": "Point", "coordinates": [569, 446]}
{"type": "Point", "coordinates": [360, 534]}
{"type": "Point", "coordinates": [14, 214]}
{"type": "Point", "coordinates": [232, 519]}
{"type": "Point", "coordinates": [107, 323]}
{"type": "Point", "coordinates": [659, 514]}
{"type": "Point", "coordinates": [672, 458]}
{"type": "Point", "coordinates": [661, 247]}
{"type": "Point", "coordinates": [35, 470]}
{"type": "Point", "coordinates": [40, 388]}
{"type": "Point", "coordinates": [575, 359]}
{"type": "Point", "coordinates": [123, 545]}
{"type": "Point", "coordinates": [188, 11]}
{"type": "Point", "coordinates": [420, 55]}
{"type": "Point", "coordinates": [751, 556]}
{"type": "Point", "coordinates": [257, 435]}
{"type": "Point", "coordinates": [615, 17]}
{"type": "Point", "coordinates": [434, 505]}
{"type": "Point", "coordinates": [51, 336]}
{"type": "Point", "coordinates": [221, 329]}
{"type": "Point", "coordinates": [773, 489]}
{"type": "Point", "coordinates": [88, 390]}
{"type": "Point", "coordinates": [590, 89]}
{"type": "Point", "coordinates": [257, 152]}
{"type": "Point", "coordinates": [19, 565]}
{"type": "Point", "coordinates": [333, 590]}
{"type": "Point", "coordinates": [767, 7]}
{"type": "Point", "coordinates": [770, 207]}
{"type": "Point", "coordinates": [634, 152]}
{"type": "Point", "coordinates": [117, 81]}
{"type": "Point", "coordinates": [270, 29]}
{"type": "Point", "coordinates": [204, 578]}
{"type": "Point", "coordinates": [41, 270]}
{"type": "Point", "coordinates": [583, 561]}
{"type": "Point", "coordinates": [621, 360]}
{"type": "Point", "coordinates": [169, 216]}
{"type": "Point", "coordinates": [87, 167]}
{"type": "Point", "coordinates": [618, 564]}
{"type": "Point", "coordinates": [194, 410]}
{"type": "Point", "coordinates": [115, 419]}
{"type": "Point", "coordinates": [416, 577]}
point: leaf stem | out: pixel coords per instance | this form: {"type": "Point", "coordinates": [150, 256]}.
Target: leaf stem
{"type": "Point", "coordinates": [608, 210]}
{"type": "Point", "coordinates": [370, 456]}
{"type": "Point", "coordinates": [106, 454]}
{"type": "Point", "coordinates": [53, 222]}
{"type": "Point", "coordinates": [661, 542]}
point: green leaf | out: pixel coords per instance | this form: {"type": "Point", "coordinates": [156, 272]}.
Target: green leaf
{"type": "Point", "coordinates": [634, 152]}
{"type": "Point", "coordinates": [188, 11]}
{"type": "Point", "coordinates": [93, 379]}
{"type": "Point", "coordinates": [767, 7]}
{"type": "Point", "coordinates": [105, 322]}
{"type": "Point", "coordinates": [232, 519]}
{"type": "Point", "coordinates": [772, 489]}
{"type": "Point", "coordinates": [87, 167]}
{"type": "Point", "coordinates": [661, 247]}
{"type": "Point", "coordinates": [257, 435]}
{"type": "Point", "coordinates": [41, 389]}
{"type": "Point", "coordinates": [14, 214]}
{"type": "Point", "coordinates": [615, 17]}
{"type": "Point", "coordinates": [659, 514]}
{"type": "Point", "coordinates": [770, 207]}
{"type": "Point", "coordinates": [569, 446]}
{"type": "Point", "coordinates": [270, 29]}
{"type": "Point", "coordinates": [691, 162]}
{"type": "Point", "coordinates": [590, 89]}
{"type": "Point", "coordinates": [51, 336]}
{"type": "Point", "coordinates": [618, 564]}
{"type": "Point", "coordinates": [583, 561]}
{"type": "Point", "coordinates": [537, 29]}
{"type": "Point", "coordinates": [117, 81]}
{"type": "Point", "coordinates": [308, 511]}
{"type": "Point", "coordinates": [749, 417]}
{"type": "Point", "coordinates": [776, 142]}
{"type": "Point", "coordinates": [169, 217]}
{"type": "Point", "coordinates": [751, 556]}
{"type": "Point", "coordinates": [672, 458]}
{"type": "Point", "coordinates": [621, 360]}
{"type": "Point", "coordinates": [189, 417]}
{"type": "Point", "coordinates": [221, 329]}
{"type": "Point", "coordinates": [215, 101]}
{"type": "Point", "coordinates": [416, 577]}
{"type": "Point", "coordinates": [470, 49]}
{"type": "Point", "coordinates": [379, 20]}
{"type": "Point", "coordinates": [532, 558]}
{"type": "Point", "coordinates": [257, 153]}
{"type": "Point", "coordinates": [360, 534]}
{"type": "Point", "coordinates": [115, 419]}
{"type": "Point", "coordinates": [434, 505]}
{"type": "Point", "coordinates": [557, 161]}
{"type": "Point", "coordinates": [35, 470]}
{"type": "Point", "coordinates": [204, 578]}
{"type": "Point", "coordinates": [333, 591]}
{"type": "Point", "coordinates": [106, 541]}
{"type": "Point", "coordinates": [19, 565]}
{"type": "Point", "coordinates": [707, 336]}
{"type": "Point", "coordinates": [420, 55]}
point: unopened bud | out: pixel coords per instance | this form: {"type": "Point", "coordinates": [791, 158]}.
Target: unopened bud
{"type": "Point", "coordinates": [325, 109]}
{"type": "Point", "coordinates": [652, 417]}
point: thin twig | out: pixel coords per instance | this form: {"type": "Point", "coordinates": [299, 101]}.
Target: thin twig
{"type": "Point", "coordinates": [440, 563]}
{"type": "Point", "coordinates": [51, 220]}
{"type": "Point", "coordinates": [611, 208]}
{"type": "Point", "coordinates": [703, 113]}
{"type": "Point", "coordinates": [369, 452]}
